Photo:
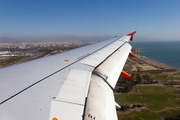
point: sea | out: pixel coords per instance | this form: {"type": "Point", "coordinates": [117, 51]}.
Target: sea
{"type": "Point", "coordinates": [167, 52]}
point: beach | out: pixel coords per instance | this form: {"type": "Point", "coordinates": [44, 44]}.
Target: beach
{"type": "Point", "coordinates": [143, 64]}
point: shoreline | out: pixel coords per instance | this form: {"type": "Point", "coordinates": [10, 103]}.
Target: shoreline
{"type": "Point", "coordinates": [155, 63]}
{"type": "Point", "coordinates": [143, 64]}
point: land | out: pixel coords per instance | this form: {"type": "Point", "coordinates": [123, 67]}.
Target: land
{"type": "Point", "coordinates": [143, 64]}
{"type": "Point", "coordinates": [153, 92]}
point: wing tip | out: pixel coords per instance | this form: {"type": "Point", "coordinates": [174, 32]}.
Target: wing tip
{"type": "Point", "coordinates": [131, 34]}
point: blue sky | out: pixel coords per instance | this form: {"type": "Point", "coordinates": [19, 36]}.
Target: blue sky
{"type": "Point", "coordinates": [152, 19]}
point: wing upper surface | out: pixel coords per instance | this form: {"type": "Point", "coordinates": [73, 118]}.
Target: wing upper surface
{"type": "Point", "coordinates": [28, 89]}
{"type": "Point", "coordinates": [36, 70]}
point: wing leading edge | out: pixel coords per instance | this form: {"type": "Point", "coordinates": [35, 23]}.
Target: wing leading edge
{"type": "Point", "coordinates": [81, 88]}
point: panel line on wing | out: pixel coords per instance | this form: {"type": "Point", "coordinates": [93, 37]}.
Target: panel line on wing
{"type": "Point", "coordinates": [69, 102]}
{"type": "Point", "coordinates": [75, 87]}
{"type": "Point", "coordinates": [102, 55]}
{"type": "Point", "coordinates": [12, 96]}
{"type": "Point", "coordinates": [83, 56]}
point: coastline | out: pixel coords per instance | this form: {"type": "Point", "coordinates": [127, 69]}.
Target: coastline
{"type": "Point", "coordinates": [155, 63]}
{"type": "Point", "coordinates": [143, 64]}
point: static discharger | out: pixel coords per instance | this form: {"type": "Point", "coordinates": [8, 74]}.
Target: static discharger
{"type": "Point", "coordinates": [66, 60]}
{"type": "Point", "coordinates": [131, 55]}
{"type": "Point", "coordinates": [124, 74]}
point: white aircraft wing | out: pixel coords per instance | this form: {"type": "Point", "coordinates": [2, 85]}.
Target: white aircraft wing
{"type": "Point", "coordinates": [77, 84]}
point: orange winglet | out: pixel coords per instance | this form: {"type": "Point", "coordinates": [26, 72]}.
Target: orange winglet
{"type": "Point", "coordinates": [131, 34]}
{"type": "Point", "coordinates": [131, 55]}
{"type": "Point", "coordinates": [124, 74]}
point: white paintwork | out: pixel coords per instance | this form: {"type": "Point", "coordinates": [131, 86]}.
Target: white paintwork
{"type": "Point", "coordinates": [94, 59]}
{"type": "Point", "coordinates": [65, 111]}
{"type": "Point", "coordinates": [125, 38]}
{"type": "Point", "coordinates": [34, 103]}
{"type": "Point", "coordinates": [113, 46]}
{"type": "Point", "coordinates": [98, 57]}
{"type": "Point", "coordinates": [113, 66]}
{"type": "Point", "coordinates": [100, 101]}
{"type": "Point", "coordinates": [34, 84]}
{"type": "Point", "coordinates": [71, 96]}
{"type": "Point", "coordinates": [16, 78]}
{"type": "Point", "coordinates": [75, 87]}
{"type": "Point", "coordinates": [105, 51]}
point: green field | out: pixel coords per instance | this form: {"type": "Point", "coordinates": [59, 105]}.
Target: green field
{"type": "Point", "coordinates": [161, 77]}
{"type": "Point", "coordinates": [11, 60]}
{"type": "Point", "coordinates": [176, 73]}
{"type": "Point", "coordinates": [157, 101]}
{"type": "Point", "coordinates": [144, 114]}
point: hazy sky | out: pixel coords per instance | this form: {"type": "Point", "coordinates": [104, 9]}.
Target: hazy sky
{"type": "Point", "coordinates": [152, 19]}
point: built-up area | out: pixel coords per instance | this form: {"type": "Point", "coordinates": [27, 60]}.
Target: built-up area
{"type": "Point", "coordinates": [25, 51]}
